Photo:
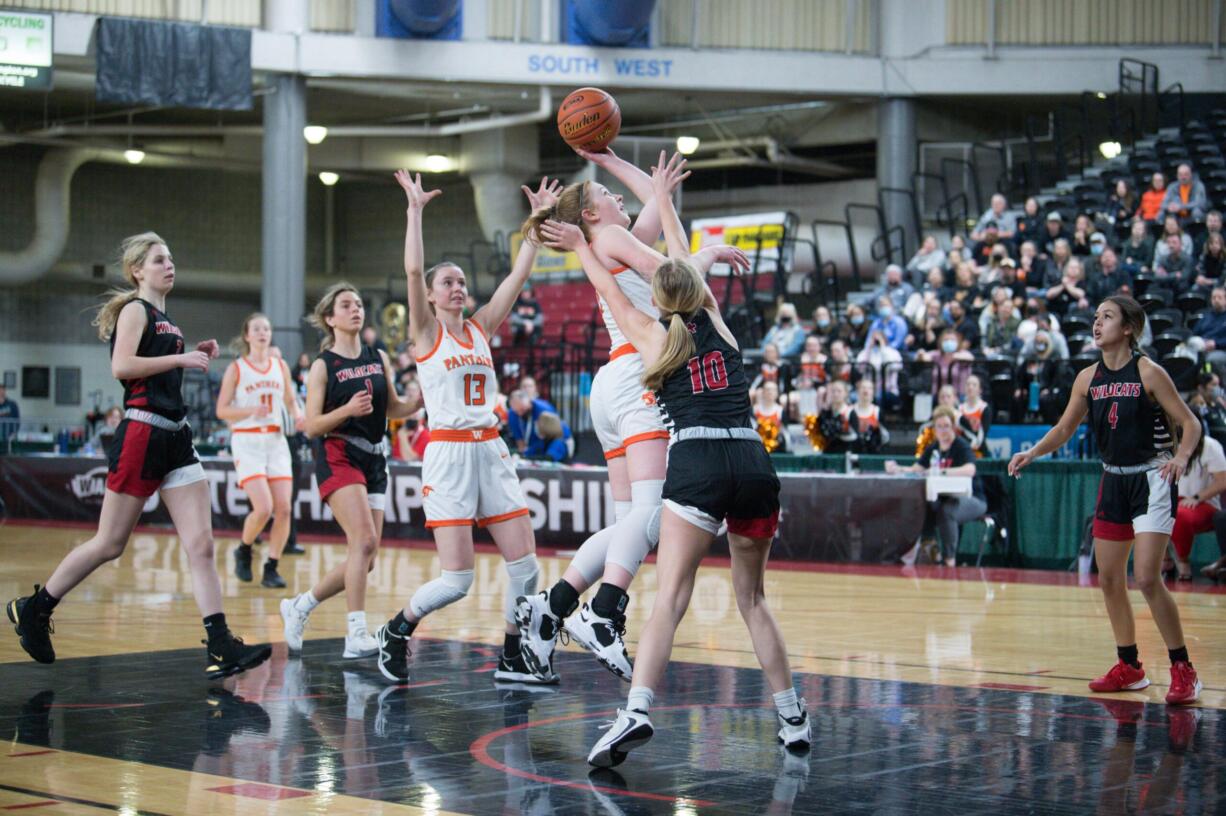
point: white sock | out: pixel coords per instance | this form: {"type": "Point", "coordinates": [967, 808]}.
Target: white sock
{"type": "Point", "coordinates": [787, 703]}
{"type": "Point", "coordinates": [357, 622]}
{"type": "Point", "coordinates": [306, 602]}
{"type": "Point", "coordinates": [640, 699]}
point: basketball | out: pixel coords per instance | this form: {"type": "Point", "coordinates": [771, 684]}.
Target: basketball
{"type": "Point", "coordinates": [589, 119]}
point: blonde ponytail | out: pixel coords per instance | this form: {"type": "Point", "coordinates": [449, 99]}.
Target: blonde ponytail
{"type": "Point", "coordinates": [132, 253]}
{"type": "Point", "coordinates": [569, 210]}
{"type": "Point", "coordinates": [679, 292]}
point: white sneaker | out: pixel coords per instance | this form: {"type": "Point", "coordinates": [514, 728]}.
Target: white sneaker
{"type": "Point", "coordinates": [538, 632]}
{"type": "Point", "coordinates": [359, 643]}
{"type": "Point", "coordinates": [603, 638]}
{"type": "Point", "coordinates": [630, 730]}
{"type": "Point", "coordinates": [358, 690]}
{"type": "Point", "coordinates": [794, 732]}
{"type": "Point", "coordinates": [294, 621]}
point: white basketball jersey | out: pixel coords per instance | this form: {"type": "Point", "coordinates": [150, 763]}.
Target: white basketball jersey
{"type": "Point", "coordinates": [260, 386]}
{"type": "Point", "coordinates": [457, 380]}
{"type": "Point", "coordinates": [637, 291]}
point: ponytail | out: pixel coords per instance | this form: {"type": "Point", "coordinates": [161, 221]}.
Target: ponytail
{"type": "Point", "coordinates": [568, 209]}
{"type": "Point", "coordinates": [678, 291]}
{"type": "Point", "coordinates": [678, 348]}
{"type": "Point", "coordinates": [132, 253]}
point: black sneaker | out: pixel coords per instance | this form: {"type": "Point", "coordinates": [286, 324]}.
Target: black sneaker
{"type": "Point", "coordinates": [516, 670]}
{"type": "Point", "coordinates": [229, 655]}
{"type": "Point", "coordinates": [271, 579]}
{"type": "Point", "coordinates": [293, 549]}
{"type": "Point", "coordinates": [227, 715]}
{"type": "Point", "coordinates": [242, 563]}
{"type": "Point", "coordinates": [33, 628]}
{"type": "Point", "coordinates": [393, 655]}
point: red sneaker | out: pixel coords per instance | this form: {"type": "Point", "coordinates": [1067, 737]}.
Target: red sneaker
{"type": "Point", "coordinates": [1122, 677]}
{"type": "Point", "coordinates": [1181, 727]}
{"type": "Point", "coordinates": [1185, 685]}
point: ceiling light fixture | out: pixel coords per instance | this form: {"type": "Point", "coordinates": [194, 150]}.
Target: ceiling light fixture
{"type": "Point", "coordinates": [686, 145]}
{"type": "Point", "coordinates": [328, 178]}
{"type": "Point", "coordinates": [314, 134]}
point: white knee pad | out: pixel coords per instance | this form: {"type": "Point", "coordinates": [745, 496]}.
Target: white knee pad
{"type": "Point", "coordinates": [621, 509]}
{"type": "Point", "coordinates": [521, 580]}
{"type": "Point", "coordinates": [444, 590]}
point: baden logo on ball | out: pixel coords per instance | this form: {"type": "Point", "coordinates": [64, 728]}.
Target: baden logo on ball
{"type": "Point", "coordinates": [589, 119]}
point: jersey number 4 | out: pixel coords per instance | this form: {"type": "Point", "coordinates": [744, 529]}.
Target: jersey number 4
{"type": "Point", "coordinates": [1113, 416]}
{"type": "Point", "coordinates": [474, 389]}
{"type": "Point", "coordinates": [709, 373]}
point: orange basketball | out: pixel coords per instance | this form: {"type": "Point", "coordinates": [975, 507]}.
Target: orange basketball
{"type": "Point", "coordinates": [589, 119]}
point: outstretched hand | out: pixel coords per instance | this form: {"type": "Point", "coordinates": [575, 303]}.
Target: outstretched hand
{"type": "Point", "coordinates": [668, 174]}
{"type": "Point", "coordinates": [413, 191]}
{"type": "Point", "coordinates": [734, 257]}
{"type": "Point", "coordinates": [561, 236]}
{"type": "Point", "coordinates": [545, 195]}
{"type": "Point", "coordinates": [600, 159]}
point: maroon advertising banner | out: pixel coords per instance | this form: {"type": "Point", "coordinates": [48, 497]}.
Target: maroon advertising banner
{"type": "Point", "coordinates": [825, 517]}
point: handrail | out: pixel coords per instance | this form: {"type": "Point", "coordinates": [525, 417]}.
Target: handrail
{"type": "Point", "coordinates": [917, 223]}
{"type": "Point", "coordinates": [819, 261]}
{"type": "Point", "coordinates": [851, 238]}
{"type": "Point", "coordinates": [1174, 89]}
{"type": "Point", "coordinates": [1002, 180]}
{"type": "Point", "coordinates": [974, 178]}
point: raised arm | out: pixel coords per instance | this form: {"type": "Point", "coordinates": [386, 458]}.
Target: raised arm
{"type": "Point", "coordinates": [644, 333]}
{"type": "Point", "coordinates": [1158, 383]}
{"type": "Point", "coordinates": [495, 311]}
{"type": "Point", "coordinates": [421, 318]}
{"type": "Point", "coordinates": [647, 225]}
{"type": "Point", "coordinates": [126, 365]}
{"type": "Point", "coordinates": [317, 422]}
{"type": "Point", "coordinates": [666, 177]}
{"type": "Point", "coordinates": [1062, 431]}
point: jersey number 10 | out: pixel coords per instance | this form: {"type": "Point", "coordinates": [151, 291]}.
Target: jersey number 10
{"type": "Point", "coordinates": [709, 373]}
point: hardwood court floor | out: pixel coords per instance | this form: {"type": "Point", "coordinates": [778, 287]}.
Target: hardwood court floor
{"type": "Point", "coordinates": [962, 693]}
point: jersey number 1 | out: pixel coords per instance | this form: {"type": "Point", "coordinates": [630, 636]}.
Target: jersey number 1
{"type": "Point", "coordinates": [266, 401]}
{"type": "Point", "coordinates": [474, 389]}
{"type": "Point", "coordinates": [709, 373]}
{"type": "Point", "coordinates": [1113, 416]}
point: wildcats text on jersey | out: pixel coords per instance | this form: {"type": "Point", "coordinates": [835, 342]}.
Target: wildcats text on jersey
{"type": "Point", "coordinates": [166, 327]}
{"type": "Point", "coordinates": [357, 372]}
{"type": "Point", "coordinates": [1115, 390]}
{"type": "Point", "coordinates": [466, 360]}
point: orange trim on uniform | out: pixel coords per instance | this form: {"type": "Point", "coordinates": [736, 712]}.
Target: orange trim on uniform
{"type": "Point", "coordinates": [261, 429]}
{"type": "Point", "coordinates": [467, 333]}
{"type": "Point", "coordinates": [250, 478]}
{"type": "Point", "coordinates": [615, 453]}
{"type": "Point", "coordinates": [478, 327]}
{"type": "Point", "coordinates": [643, 437]}
{"type": "Point", "coordinates": [622, 351]}
{"type": "Point", "coordinates": [251, 365]}
{"type": "Point", "coordinates": [485, 522]}
{"type": "Point", "coordinates": [449, 523]}
{"type": "Point", "coordinates": [280, 478]}
{"type": "Point", "coordinates": [438, 341]}
{"type": "Point", "coordinates": [618, 270]}
{"type": "Point", "coordinates": [475, 435]}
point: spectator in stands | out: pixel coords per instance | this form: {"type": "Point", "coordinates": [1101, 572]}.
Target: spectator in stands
{"type": "Point", "coordinates": [895, 289]}
{"type": "Point", "coordinates": [1199, 490]}
{"type": "Point", "coordinates": [522, 416]}
{"type": "Point", "coordinates": [889, 324]}
{"type": "Point", "coordinates": [768, 410]}
{"type": "Point", "coordinates": [813, 361]}
{"type": "Point", "coordinates": [966, 326]}
{"type": "Point", "coordinates": [1029, 224]}
{"type": "Point", "coordinates": [1171, 227]}
{"type": "Point", "coordinates": [926, 334]}
{"type": "Point", "coordinates": [1053, 270]}
{"type": "Point", "coordinates": [839, 365]}
{"type": "Point", "coordinates": [1052, 375]}
{"type": "Point", "coordinates": [824, 325]}
{"type": "Point", "coordinates": [787, 333]}
{"type": "Point", "coordinates": [1209, 266]}
{"type": "Point", "coordinates": [1174, 269]}
{"type": "Point", "coordinates": [1031, 266]}
{"type": "Point", "coordinates": [882, 362]}
{"type": "Point", "coordinates": [1213, 226]}
{"type": "Point", "coordinates": [834, 421]}
{"type": "Point", "coordinates": [1044, 322]}
{"type": "Point", "coordinates": [947, 396]}
{"type": "Point", "coordinates": [299, 374]}
{"type": "Point", "coordinates": [975, 417]}
{"type": "Point", "coordinates": [1000, 328]}
{"type": "Point", "coordinates": [935, 285]}
{"type": "Point", "coordinates": [410, 440]}
{"type": "Point", "coordinates": [853, 329]}
{"type": "Point", "coordinates": [806, 399]}
{"type": "Point", "coordinates": [553, 440]}
{"type": "Point", "coordinates": [1055, 231]}
{"type": "Point", "coordinates": [527, 384]}
{"type": "Point", "coordinates": [526, 318]}
{"type": "Point", "coordinates": [966, 287]}
{"type": "Point", "coordinates": [1009, 280]}
{"type": "Point", "coordinates": [933, 289]}
{"type": "Point", "coordinates": [928, 257]}
{"type": "Point", "coordinates": [981, 253]}
{"type": "Point", "coordinates": [1121, 207]}
{"type": "Point", "coordinates": [990, 274]}
{"type": "Point", "coordinates": [771, 369]}
{"type": "Point", "coordinates": [372, 340]}
{"type": "Point", "coordinates": [1150, 209]}
{"type": "Point", "coordinates": [1070, 292]}
{"type": "Point", "coordinates": [102, 438]}
{"type": "Point", "coordinates": [951, 364]}
{"type": "Point", "coordinates": [1107, 278]}
{"type": "Point", "coordinates": [1083, 229]}
{"type": "Point", "coordinates": [1137, 253]}
{"type": "Point", "coordinates": [1211, 329]}
{"type": "Point", "coordinates": [1208, 402]}
{"type": "Point", "coordinates": [996, 217]}
{"type": "Point", "coordinates": [954, 458]}
{"type": "Point", "coordinates": [10, 416]}
{"type": "Point", "coordinates": [1186, 198]}
{"type": "Point", "coordinates": [865, 418]}
{"type": "Point", "coordinates": [953, 259]}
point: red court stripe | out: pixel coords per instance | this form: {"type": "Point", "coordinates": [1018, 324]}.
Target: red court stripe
{"type": "Point", "coordinates": [255, 790]}
{"type": "Point", "coordinates": [1009, 687]}
{"type": "Point", "coordinates": [31, 753]}
{"type": "Point", "coordinates": [30, 805]}
{"type": "Point", "coordinates": [95, 705]}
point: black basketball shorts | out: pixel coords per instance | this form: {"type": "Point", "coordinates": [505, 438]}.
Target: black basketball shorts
{"type": "Point", "coordinates": [1131, 503]}
{"type": "Point", "coordinates": [144, 459]}
{"type": "Point", "coordinates": [713, 480]}
{"type": "Point", "coordinates": [339, 464]}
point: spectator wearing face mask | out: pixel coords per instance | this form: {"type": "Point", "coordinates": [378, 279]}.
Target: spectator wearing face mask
{"type": "Point", "coordinates": [787, 333]}
{"type": "Point", "coordinates": [854, 328]}
{"type": "Point", "coordinates": [890, 324]}
{"type": "Point", "coordinates": [966, 326]}
{"type": "Point", "coordinates": [895, 288]}
{"type": "Point", "coordinates": [824, 325]}
{"type": "Point", "coordinates": [951, 365]}
{"type": "Point", "coordinates": [1045, 336]}
{"type": "Point", "coordinates": [1053, 376]}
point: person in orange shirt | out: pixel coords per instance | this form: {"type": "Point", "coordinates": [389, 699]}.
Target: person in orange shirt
{"type": "Point", "coordinates": [1151, 199]}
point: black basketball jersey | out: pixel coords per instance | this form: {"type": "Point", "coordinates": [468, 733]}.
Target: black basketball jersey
{"type": "Point", "coordinates": [347, 377]}
{"type": "Point", "coordinates": [162, 393]}
{"type": "Point", "coordinates": [711, 389]}
{"type": "Point", "coordinates": [1129, 425]}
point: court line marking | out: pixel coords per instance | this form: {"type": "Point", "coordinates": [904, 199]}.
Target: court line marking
{"type": "Point", "coordinates": [87, 802]}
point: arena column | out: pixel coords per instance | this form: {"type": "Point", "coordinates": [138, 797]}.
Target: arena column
{"type": "Point", "coordinates": [282, 292]}
{"type": "Point", "coordinates": [896, 158]}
